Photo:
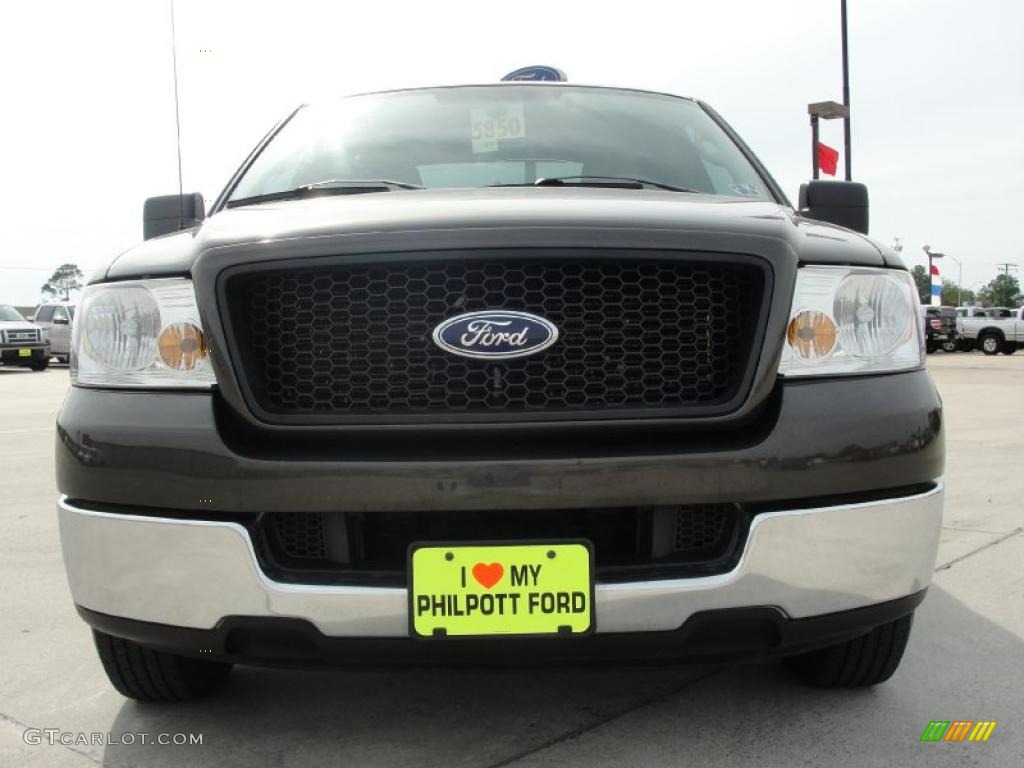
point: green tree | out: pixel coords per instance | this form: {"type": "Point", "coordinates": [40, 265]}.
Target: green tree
{"type": "Point", "coordinates": [924, 283]}
{"type": "Point", "coordinates": [954, 297]}
{"type": "Point", "coordinates": [1003, 291]}
{"type": "Point", "coordinates": [65, 279]}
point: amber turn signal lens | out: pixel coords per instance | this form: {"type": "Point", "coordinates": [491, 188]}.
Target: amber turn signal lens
{"type": "Point", "coordinates": [182, 346]}
{"type": "Point", "coordinates": [811, 334]}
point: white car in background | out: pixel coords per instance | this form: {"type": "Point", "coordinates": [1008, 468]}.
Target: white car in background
{"type": "Point", "coordinates": [55, 317]}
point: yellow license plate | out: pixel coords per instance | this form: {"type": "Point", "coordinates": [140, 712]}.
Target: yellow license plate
{"type": "Point", "coordinates": [24, 353]}
{"type": "Point", "coordinates": [501, 589]}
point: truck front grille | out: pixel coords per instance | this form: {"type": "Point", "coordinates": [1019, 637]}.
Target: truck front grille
{"type": "Point", "coordinates": [26, 335]}
{"type": "Point", "coordinates": [338, 342]}
{"type": "Point", "coordinates": [630, 543]}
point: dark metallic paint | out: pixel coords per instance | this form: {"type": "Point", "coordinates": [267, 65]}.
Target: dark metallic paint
{"type": "Point", "coordinates": [167, 451]}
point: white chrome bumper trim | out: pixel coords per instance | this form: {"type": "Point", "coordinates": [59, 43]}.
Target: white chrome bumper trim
{"type": "Point", "coordinates": [192, 573]}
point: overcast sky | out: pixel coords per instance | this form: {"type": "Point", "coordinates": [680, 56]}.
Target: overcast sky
{"type": "Point", "coordinates": [88, 126]}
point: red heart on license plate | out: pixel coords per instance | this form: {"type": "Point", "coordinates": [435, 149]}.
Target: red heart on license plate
{"type": "Point", "coordinates": [488, 574]}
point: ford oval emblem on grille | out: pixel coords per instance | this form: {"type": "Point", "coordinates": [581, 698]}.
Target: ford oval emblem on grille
{"type": "Point", "coordinates": [495, 334]}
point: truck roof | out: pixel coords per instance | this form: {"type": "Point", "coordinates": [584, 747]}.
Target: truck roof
{"type": "Point", "coordinates": [521, 83]}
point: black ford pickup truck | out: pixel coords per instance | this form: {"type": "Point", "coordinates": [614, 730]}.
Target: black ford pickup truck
{"type": "Point", "coordinates": [513, 373]}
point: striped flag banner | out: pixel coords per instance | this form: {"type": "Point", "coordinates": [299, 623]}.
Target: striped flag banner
{"type": "Point", "coordinates": [936, 287]}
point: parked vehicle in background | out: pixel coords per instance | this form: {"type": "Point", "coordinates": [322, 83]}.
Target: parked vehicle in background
{"type": "Point", "coordinates": [961, 343]}
{"type": "Point", "coordinates": [22, 343]}
{"type": "Point", "coordinates": [55, 317]}
{"type": "Point", "coordinates": [994, 329]}
{"type": "Point", "coordinates": [940, 328]}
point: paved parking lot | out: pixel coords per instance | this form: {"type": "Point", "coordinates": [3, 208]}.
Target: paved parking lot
{"type": "Point", "coordinates": [965, 660]}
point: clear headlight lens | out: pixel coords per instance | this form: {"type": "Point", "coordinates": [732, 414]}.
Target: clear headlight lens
{"type": "Point", "coordinates": [143, 334]}
{"type": "Point", "coordinates": [852, 320]}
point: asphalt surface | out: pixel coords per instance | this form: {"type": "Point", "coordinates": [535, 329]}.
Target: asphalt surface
{"type": "Point", "coordinates": [965, 660]}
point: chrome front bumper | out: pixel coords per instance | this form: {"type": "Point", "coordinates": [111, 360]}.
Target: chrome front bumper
{"type": "Point", "coordinates": [806, 562]}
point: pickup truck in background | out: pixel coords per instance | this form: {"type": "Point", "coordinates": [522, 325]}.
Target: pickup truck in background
{"type": "Point", "coordinates": [940, 328]}
{"type": "Point", "coordinates": [55, 317]}
{"type": "Point", "coordinates": [993, 330]}
{"type": "Point", "coordinates": [22, 344]}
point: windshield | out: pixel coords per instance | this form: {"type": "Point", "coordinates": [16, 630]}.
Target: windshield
{"type": "Point", "coordinates": [9, 313]}
{"type": "Point", "coordinates": [479, 136]}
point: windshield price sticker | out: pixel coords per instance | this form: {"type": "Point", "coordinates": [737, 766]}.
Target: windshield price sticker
{"type": "Point", "coordinates": [489, 125]}
{"type": "Point", "coordinates": [501, 589]}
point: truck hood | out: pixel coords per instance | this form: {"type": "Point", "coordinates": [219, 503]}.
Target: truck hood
{"type": "Point", "coordinates": [18, 325]}
{"type": "Point", "coordinates": [458, 210]}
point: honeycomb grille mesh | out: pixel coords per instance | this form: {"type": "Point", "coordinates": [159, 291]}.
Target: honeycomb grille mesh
{"type": "Point", "coordinates": [301, 535]}
{"type": "Point", "coordinates": [355, 340]}
{"type": "Point", "coordinates": [699, 527]}
{"type": "Point", "coordinates": [628, 542]}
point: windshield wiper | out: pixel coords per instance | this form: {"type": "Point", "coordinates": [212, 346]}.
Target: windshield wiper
{"type": "Point", "coordinates": [622, 182]}
{"type": "Point", "coordinates": [326, 187]}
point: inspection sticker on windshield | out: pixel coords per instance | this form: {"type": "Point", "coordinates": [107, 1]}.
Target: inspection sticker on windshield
{"type": "Point", "coordinates": [489, 125]}
{"type": "Point", "coordinates": [501, 589]}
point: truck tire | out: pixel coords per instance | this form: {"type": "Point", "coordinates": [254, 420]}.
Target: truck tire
{"type": "Point", "coordinates": [949, 346]}
{"type": "Point", "coordinates": [863, 661]}
{"type": "Point", "coordinates": [148, 675]}
{"type": "Point", "coordinates": [40, 365]}
{"type": "Point", "coordinates": [990, 343]}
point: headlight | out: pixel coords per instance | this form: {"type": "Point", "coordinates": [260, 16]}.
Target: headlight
{"type": "Point", "coordinates": [852, 320]}
{"type": "Point", "coordinates": [142, 333]}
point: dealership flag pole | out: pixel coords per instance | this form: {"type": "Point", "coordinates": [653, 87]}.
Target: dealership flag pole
{"type": "Point", "coordinates": [933, 271]}
{"type": "Point", "coordinates": [177, 121]}
{"type": "Point", "coordinates": [846, 96]}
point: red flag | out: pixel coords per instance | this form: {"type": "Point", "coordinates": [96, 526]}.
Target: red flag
{"type": "Point", "coordinates": [828, 158]}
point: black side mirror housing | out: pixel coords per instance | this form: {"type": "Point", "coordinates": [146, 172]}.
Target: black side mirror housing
{"type": "Point", "coordinates": [170, 213]}
{"type": "Point", "coordinates": [838, 202]}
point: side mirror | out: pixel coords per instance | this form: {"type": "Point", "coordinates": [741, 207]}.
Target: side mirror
{"type": "Point", "coordinates": [838, 202]}
{"type": "Point", "coordinates": [60, 321]}
{"type": "Point", "coordinates": [170, 213]}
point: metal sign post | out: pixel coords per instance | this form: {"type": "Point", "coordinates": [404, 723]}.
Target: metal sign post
{"type": "Point", "coordinates": [826, 110]}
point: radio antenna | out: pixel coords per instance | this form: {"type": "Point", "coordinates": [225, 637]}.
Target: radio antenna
{"type": "Point", "coordinates": [177, 120]}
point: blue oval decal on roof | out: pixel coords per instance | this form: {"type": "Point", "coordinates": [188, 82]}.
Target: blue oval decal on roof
{"type": "Point", "coordinates": [536, 73]}
{"type": "Point", "coordinates": [495, 334]}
